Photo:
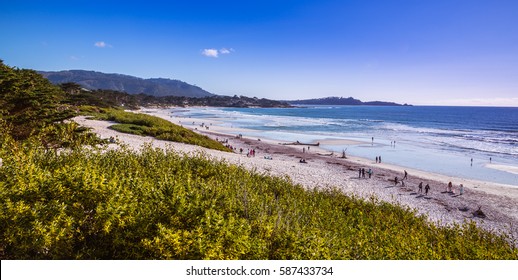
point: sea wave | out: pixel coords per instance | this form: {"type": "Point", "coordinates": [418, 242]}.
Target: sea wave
{"type": "Point", "coordinates": [445, 137]}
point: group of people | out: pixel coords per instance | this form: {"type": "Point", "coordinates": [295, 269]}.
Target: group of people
{"type": "Point", "coordinates": [225, 142]}
{"type": "Point", "coordinates": [396, 179]}
{"type": "Point", "coordinates": [426, 188]}
{"type": "Point", "coordinates": [378, 159]}
{"type": "Point", "coordinates": [420, 186]}
{"type": "Point", "coordinates": [450, 189]}
{"type": "Point", "coordinates": [361, 172]}
{"type": "Point", "coordinates": [250, 153]}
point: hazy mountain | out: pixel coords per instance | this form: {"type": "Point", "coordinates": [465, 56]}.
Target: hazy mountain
{"type": "Point", "coordinates": [96, 80]}
{"type": "Point", "coordinates": [342, 101]}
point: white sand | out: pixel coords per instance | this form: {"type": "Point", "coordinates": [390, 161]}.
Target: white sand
{"type": "Point", "coordinates": [498, 202]}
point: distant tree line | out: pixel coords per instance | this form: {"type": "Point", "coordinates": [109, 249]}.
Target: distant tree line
{"type": "Point", "coordinates": [111, 98]}
{"type": "Point", "coordinates": [342, 101]}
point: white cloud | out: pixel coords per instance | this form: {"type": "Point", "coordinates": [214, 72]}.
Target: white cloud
{"type": "Point", "coordinates": [226, 51]}
{"type": "Point", "coordinates": [102, 44]}
{"type": "Point", "coordinates": [215, 53]}
{"type": "Point", "coordinates": [210, 52]}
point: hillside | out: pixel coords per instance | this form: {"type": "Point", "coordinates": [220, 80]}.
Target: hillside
{"type": "Point", "coordinates": [93, 80]}
{"type": "Point", "coordinates": [342, 101]}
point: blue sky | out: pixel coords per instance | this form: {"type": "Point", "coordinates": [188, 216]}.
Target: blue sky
{"type": "Point", "coordinates": [408, 51]}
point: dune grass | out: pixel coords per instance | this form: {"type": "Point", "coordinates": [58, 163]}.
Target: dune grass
{"type": "Point", "coordinates": [146, 125]}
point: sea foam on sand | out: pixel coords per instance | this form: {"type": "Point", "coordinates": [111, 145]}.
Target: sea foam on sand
{"type": "Point", "coordinates": [506, 168]}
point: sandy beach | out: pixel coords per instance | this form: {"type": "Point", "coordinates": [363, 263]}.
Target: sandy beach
{"type": "Point", "coordinates": [323, 169]}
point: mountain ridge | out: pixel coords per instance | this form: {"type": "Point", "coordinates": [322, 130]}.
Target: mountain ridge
{"type": "Point", "coordinates": [93, 80]}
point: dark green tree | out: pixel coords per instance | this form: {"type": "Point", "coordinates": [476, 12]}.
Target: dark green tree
{"type": "Point", "coordinates": [71, 88]}
{"type": "Point", "coordinates": [29, 102]}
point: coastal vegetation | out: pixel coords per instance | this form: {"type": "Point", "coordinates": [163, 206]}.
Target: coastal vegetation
{"type": "Point", "coordinates": [159, 204]}
{"type": "Point", "coordinates": [102, 97]}
{"type": "Point", "coordinates": [146, 125]}
{"type": "Point", "coordinates": [75, 199]}
{"type": "Point", "coordinates": [29, 102]}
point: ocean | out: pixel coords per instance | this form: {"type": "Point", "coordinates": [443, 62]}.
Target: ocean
{"type": "Point", "coordinates": [470, 142]}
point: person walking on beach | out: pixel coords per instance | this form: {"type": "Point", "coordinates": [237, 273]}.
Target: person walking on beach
{"type": "Point", "coordinates": [421, 187]}
{"type": "Point", "coordinates": [461, 189]}
{"type": "Point", "coordinates": [406, 174]}
{"type": "Point", "coordinates": [379, 159]}
{"type": "Point", "coordinates": [370, 173]}
{"type": "Point", "coordinates": [395, 181]}
{"type": "Point", "coordinates": [359, 173]}
{"type": "Point", "coordinates": [450, 186]}
{"type": "Point", "coordinates": [363, 172]}
{"type": "Point", "coordinates": [426, 189]}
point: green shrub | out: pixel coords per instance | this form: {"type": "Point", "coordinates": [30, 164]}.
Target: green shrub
{"type": "Point", "coordinates": [146, 125]}
{"type": "Point", "coordinates": [156, 204]}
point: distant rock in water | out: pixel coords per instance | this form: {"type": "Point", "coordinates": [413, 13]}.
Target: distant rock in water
{"type": "Point", "coordinates": [93, 80]}
{"type": "Point", "coordinates": [342, 101]}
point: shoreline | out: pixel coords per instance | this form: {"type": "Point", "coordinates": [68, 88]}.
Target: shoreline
{"type": "Point", "coordinates": [498, 202]}
{"type": "Point", "coordinates": [414, 150]}
{"type": "Point", "coordinates": [224, 131]}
